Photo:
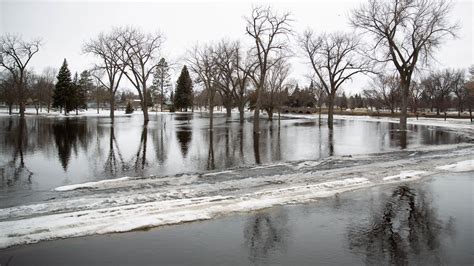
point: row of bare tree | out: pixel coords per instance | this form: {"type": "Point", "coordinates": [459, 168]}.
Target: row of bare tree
{"type": "Point", "coordinates": [438, 90]}
{"type": "Point", "coordinates": [402, 34]}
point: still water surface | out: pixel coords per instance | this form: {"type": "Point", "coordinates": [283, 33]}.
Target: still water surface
{"type": "Point", "coordinates": [41, 153]}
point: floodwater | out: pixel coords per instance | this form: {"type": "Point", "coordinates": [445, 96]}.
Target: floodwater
{"type": "Point", "coordinates": [40, 153]}
{"type": "Point", "coordinates": [427, 222]}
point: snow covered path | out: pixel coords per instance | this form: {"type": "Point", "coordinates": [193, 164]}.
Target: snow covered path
{"type": "Point", "coordinates": [130, 203]}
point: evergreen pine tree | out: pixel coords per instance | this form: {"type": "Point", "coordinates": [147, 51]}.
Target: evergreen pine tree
{"type": "Point", "coordinates": [74, 97]}
{"type": "Point", "coordinates": [85, 85]}
{"type": "Point", "coordinates": [63, 89]}
{"type": "Point", "coordinates": [183, 97]}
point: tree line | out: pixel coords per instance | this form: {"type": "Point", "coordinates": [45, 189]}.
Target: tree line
{"type": "Point", "coordinates": [400, 36]}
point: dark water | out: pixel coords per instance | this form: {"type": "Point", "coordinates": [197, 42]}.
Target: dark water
{"type": "Point", "coordinates": [41, 153]}
{"type": "Point", "coordinates": [420, 223]}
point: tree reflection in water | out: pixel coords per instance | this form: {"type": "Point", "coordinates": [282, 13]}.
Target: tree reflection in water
{"type": "Point", "coordinates": [256, 147]}
{"type": "Point", "coordinates": [331, 141]}
{"type": "Point", "coordinates": [405, 229]}
{"type": "Point", "coordinates": [112, 165]}
{"type": "Point", "coordinates": [15, 170]}
{"type": "Point", "coordinates": [398, 138]}
{"type": "Point", "coordinates": [67, 136]}
{"type": "Point", "coordinates": [184, 136]}
{"type": "Point", "coordinates": [403, 139]}
{"type": "Point", "coordinates": [161, 144]}
{"type": "Point", "coordinates": [211, 163]}
{"type": "Point", "coordinates": [140, 157]}
{"type": "Point", "coordinates": [266, 232]}
{"type": "Point", "coordinates": [241, 142]}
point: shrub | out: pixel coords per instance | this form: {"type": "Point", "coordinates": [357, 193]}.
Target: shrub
{"type": "Point", "coordinates": [129, 109]}
{"type": "Point", "coordinates": [172, 109]}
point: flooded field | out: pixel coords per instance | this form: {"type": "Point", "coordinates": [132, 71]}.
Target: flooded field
{"type": "Point", "coordinates": [42, 153]}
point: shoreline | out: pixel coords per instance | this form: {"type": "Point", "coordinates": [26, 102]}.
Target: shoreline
{"type": "Point", "coordinates": [105, 113]}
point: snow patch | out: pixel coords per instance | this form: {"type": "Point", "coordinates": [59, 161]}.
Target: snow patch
{"type": "Point", "coordinates": [218, 173]}
{"type": "Point", "coordinates": [406, 175]}
{"type": "Point", "coordinates": [155, 213]}
{"type": "Point", "coordinates": [463, 166]}
{"type": "Point", "coordinates": [458, 123]}
{"type": "Point", "coordinates": [91, 184]}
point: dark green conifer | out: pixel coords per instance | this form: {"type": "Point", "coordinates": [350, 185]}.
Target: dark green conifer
{"type": "Point", "coordinates": [63, 89]}
{"type": "Point", "coordinates": [183, 97]}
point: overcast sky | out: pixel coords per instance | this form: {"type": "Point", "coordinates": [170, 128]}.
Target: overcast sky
{"type": "Point", "coordinates": [65, 25]}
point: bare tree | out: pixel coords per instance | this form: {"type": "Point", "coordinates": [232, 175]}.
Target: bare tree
{"type": "Point", "coordinates": [107, 49]}
{"type": "Point", "coordinates": [405, 32]}
{"type": "Point", "coordinates": [234, 73]}
{"type": "Point", "coordinates": [459, 89]}
{"type": "Point", "coordinates": [416, 94]}
{"type": "Point", "coordinates": [137, 58]}
{"type": "Point", "coordinates": [470, 91]}
{"type": "Point", "coordinates": [245, 67]}
{"type": "Point", "coordinates": [40, 87]}
{"type": "Point", "coordinates": [269, 31]}
{"type": "Point", "coordinates": [320, 95]}
{"type": "Point", "coordinates": [334, 59]}
{"type": "Point", "coordinates": [202, 61]}
{"type": "Point", "coordinates": [15, 54]}
{"type": "Point", "coordinates": [227, 83]}
{"type": "Point", "coordinates": [8, 94]}
{"type": "Point", "coordinates": [386, 89]}
{"type": "Point", "coordinates": [273, 88]}
{"type": "Point", "coordinates": [438, 85]}
{"type": "Point", "coordinates": [49, 76]}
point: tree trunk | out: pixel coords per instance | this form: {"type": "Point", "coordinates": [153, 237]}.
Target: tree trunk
{"type": "Point", "coordinates": [22, 109]}
{"type": "Point", "coordinates": [10, 109]}
{"type": "Point", "coordinates": [145, 112]}
{"type": "Point", "coordinates": [241, 114]}
{"type": "Point", "coordinates": [256, 113]}
{"type": "Point", "coordinates": [228, 111]}
{"type": "Point", "coordinates": [146, 118]}
{"type": "Point", "coordinates": [112, 107]}
{"type": "Point", "coordinates": [256, 147]}
{"type": "Point", "coordinates": [211, 114]}
{"type": "Point", "coordinates": [330, 110]}
{"type": "Point", "coordinates": [162, 97]}
{"type": "Point", "coordinates": [211, 106]}
{"type": "Point", "coordinates": [270, 114]}
{"type": "Point", "coordinates": [404, 105]}
{"type": "Point", "coordinates": [319, 115]}
{"type": "Point", "coordinates": [279, 118]}
{"type": "Point", "coordinates": [256, 120]}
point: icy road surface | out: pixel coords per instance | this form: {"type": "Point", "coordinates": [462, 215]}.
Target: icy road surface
{"type": "Point", "coordinates": [130, 203]}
